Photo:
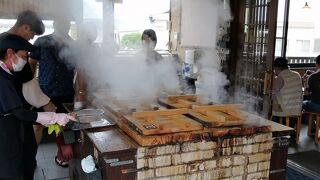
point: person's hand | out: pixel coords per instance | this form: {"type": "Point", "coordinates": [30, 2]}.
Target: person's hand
{"type": "Point", "coordinates": [46, 118]}
{"type": "Point", "coordinates": [50, 107]}
{"type": "Point", "coordinates": [62, 119]}
{"type": "Point", "coordinates": [309, 72]}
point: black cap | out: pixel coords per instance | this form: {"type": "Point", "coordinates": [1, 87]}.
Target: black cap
{"type": "Point", "coordinates": [16, 43]}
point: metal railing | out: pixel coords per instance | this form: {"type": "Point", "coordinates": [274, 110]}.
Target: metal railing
{"type": "Point", "coordinates": [301, 62]}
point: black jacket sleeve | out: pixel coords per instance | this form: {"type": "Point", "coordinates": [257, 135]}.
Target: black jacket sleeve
{"type": "Point", "coordinates": [24, 115]}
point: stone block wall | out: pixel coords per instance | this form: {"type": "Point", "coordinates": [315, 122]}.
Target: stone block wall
{"type": "Point", "coordinates": [245, 157]}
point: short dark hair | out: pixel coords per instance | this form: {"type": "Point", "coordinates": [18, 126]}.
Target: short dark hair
{"type": "Point", "coordinates": [151, 34]}
{"type": "Point", "coordinates": [317, 60]}
{"type": "Point", "coordinates": [32, 19]}
{"type": "Point", "coordinates": [281, 62]}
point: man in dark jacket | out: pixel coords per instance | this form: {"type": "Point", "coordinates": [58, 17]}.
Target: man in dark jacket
{"type": "Point", "coordinates": [28, 25]}
{"type": "Point", "coordinates": [313, 87]}
{"type": "Point", "coordinates": [13, 54]}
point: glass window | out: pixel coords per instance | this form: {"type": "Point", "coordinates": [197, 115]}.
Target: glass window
{"type": "Point", "coordinates": [132, 17]}
{"type": "Point", "coordinates": [278, 47]}
{"type": "Point", "coordinates": [303, 28]}
{"type": "Point", "coordinates": [316, 47]}
{"type": "Point", "coordinates": [303, 46]}
{"type": "Point", "coordinates": [93, 14]}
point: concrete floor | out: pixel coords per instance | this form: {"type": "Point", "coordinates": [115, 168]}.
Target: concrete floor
{"type": "Point", "coordinates": [47, 169]}
{"type": "Point", "coordinates": [46, 166]}
{"type": "Point", "coordinates": [306, 142]}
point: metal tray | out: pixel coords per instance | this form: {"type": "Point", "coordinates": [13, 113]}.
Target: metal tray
{"type": "Point", "coordinates": [103, 122]}
{"type": "Point", "coordinates": [90, 118]}
{"type": "Point", "coordinates": [90, 113]}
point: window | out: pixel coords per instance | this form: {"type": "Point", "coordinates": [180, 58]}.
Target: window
{"type": "Point", "coordinates": [93, 14]}
{"type": "Point", "coordinates": [289, 46]}
{"type": "Point", "coordinates": [132, 17]}
{"type": "Point", "coordinates": [303, 46]}
{"type": "Point", "coordinates": [278, 47]}
{"type": "Point", "coordinates": [316, 47]}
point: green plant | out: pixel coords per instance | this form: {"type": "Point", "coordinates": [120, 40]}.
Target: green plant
{"type": "Point", "coordinates": [131, 41]}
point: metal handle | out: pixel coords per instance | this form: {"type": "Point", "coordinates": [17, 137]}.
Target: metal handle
{"type": "Point", "coordinates": [121, 163]}
{"type": "Point", "coordinates": [127, 171]}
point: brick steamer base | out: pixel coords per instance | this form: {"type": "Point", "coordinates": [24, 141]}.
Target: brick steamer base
{"type": "Point", "coordinates": [241, 157]}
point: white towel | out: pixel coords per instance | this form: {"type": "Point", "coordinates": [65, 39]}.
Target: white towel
{"type": "Point", "coordinates": [88, 164]}
{"type": "Point", "coordinates": [33, 94]}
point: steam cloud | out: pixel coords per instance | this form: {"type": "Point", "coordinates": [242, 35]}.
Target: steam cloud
{"type": "Point", "coordinates": [211, 83]}
{"type": "Point", "coordinates": [130, 77]}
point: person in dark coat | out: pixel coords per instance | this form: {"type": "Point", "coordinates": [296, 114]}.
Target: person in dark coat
{"type": "Point", "coordinates": [57, 72]}
{"type": "Point", "coordinates": [13, 54]}
{"type": "Point", "coordinates": [28, 25]}
{"type": "Point", "coordinates": [313, 87]}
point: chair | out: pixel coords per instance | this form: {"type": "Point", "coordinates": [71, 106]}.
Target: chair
{"type": "Point", "coordinates": [287, 119]}
{"type": "Point", "coordinates": [317, 115]}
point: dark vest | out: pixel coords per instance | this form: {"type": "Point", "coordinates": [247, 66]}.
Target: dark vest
{"type": "Point", "coordinates": [11, 129]}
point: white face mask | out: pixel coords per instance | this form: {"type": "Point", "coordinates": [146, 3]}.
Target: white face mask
{"type": "Point", "coordinates": [148, 46]}
{"type": "Point", "coordinates": [19, 65]}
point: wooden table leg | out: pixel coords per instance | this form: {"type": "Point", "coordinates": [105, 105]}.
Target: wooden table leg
{"type": "Point", "coordinates": [317, 129]}
{"type": "Point", "coordinates": [309, 123]}
{"type": "Point", "coordinates": [298, 127]}
{"type": "Point", "coordinates": [287, 121]}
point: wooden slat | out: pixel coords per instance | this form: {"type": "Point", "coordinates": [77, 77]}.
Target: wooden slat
{"type": "Point", "coordinates": [184, 97]}
{"type": "Point", "coordinates": [221, 115]}
{"type": "Point", "coordinates": [160, 112]}
{"type": "Point", "coordinates": [216, 115]}
{"type": "Point", "coordinates": [187, 103]}
{"type": "Point", "coordinates": [235, 113]}
{"type": "Point", "coordinates": [217, 107]}
{"type": "Point", "coordinates": [206, 120]}
{"type": "Point", "coordinates": [161, 139]}
{"type": "Point", "coordinates": [162, 124]}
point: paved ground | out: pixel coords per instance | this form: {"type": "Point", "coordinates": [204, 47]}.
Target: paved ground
{"type": "Point", "coordinates": [306, 142]}
{"type": "Point", "coordinates": [47, 168]}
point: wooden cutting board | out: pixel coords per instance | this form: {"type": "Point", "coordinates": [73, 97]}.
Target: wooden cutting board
{"type": "Point", "coordinates": [179, 101]}
{"type": "Point", "coordinates": [218, 115]}
{"type": "Point", "coordinates": [162, 122]}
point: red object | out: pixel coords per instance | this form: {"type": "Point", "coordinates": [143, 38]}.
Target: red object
{"type": "Point", "coordinates": [65, 152]}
